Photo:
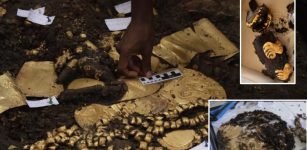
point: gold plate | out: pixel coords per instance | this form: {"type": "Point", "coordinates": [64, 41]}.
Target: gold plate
{"type": "Point", "coordinates": [147, 105]}
{"type": "Point", "coordinates": [237, 136]}
{"type": "Point", "coordinates": [37, 79]}
{"type": "Point", "coordinates": [10, 95]}
{"type": "Point", "coordinates": [137, 90]}
{"type": "Point", "coordinates": [83, 83]}
{"type": "Point", "coordinates": [89, 115]}
{"type": "Point", "coordinates": [191, 87]}
{"type": "Point", "coordinates": [178, 140]}
{"type": "Point", "coordinates": [179, 48]}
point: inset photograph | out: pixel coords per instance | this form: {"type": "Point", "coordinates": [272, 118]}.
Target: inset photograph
{"type": "Point", "coordinates": [258, 125]}
{"type": "Point", "coordinates": [268, 42]}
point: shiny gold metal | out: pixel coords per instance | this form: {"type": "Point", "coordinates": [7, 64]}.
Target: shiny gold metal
{"type": "Point", "coordinates": [272, 49]}
{"type": "Point", "coordinates": [148, 137]}
{"type": "Point", "coordinates": [143, 145]}
{"type": "Point", "coordinates": [166, 124]}
{"type": "Point", "coordinates": [173, 125]}
{"type": "Point", "coordinates": [284, 74]}
{"type": "Point", "coordinates": [102, 141]}
{"type": "Point", "coordinates": [159, 123]}
{"type": "Point", "coordinates": [185, 121]}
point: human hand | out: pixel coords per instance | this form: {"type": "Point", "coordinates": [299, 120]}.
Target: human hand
{"type": "Point", "coordinates": [138, 40]}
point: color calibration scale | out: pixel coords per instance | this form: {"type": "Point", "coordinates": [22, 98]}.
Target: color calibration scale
{"type": "Point", "coordinates": [161, 77]}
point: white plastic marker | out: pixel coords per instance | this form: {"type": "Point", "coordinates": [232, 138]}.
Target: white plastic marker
{"type": "Point", "coordinates": [43, 103]}
{"type": "Point", "coordinates": [123, 8]}
{"type": "Point", "coordinates": [118, 24]}
{"type": "Point", "coordinates": [161, 77]}
{"type": "Point", "coordinates": [36, 16]}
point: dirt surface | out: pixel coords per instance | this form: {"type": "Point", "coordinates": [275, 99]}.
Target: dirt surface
{"type": "Point", "coordinates": [23, 125]}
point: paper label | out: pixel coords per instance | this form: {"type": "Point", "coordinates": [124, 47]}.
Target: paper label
{"type": "Point", "coordinates": [118, 24]}
{"type": "Point", "coordinates": [25, 13]}
{"type": "Point", "coordinates": [22, 13]}
{"type": "Point", "coordinates": [36, 16]}
{"type": "Point", "coordinates": [40, 19]}
{"type": "Point", "coordinates": [123, 8]}
{"type": "Point", "coordinates": [43, 103]}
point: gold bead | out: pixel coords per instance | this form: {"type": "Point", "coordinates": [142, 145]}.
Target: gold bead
{"type": "Point", "coordinates": [139, 135]}
{"type": "Point", "coordinates": [132, 120]}
{"type": "Point", "coordinates": [149, 129]}
{"type": "Point", "coordinates": [185, 121]}
{"type": "Point", "coordinates": [73, 140]}
{"type": "Point", "coordinates": [173, 125]}
{"type": "Point", "coordinates": [161, 130]}
{"type": "Point", "coordinates": [62, 129]}
{"type": "Point", "coordinates": [196, 120]}
{"type": "Point", "coordinates": [192, 122]}
{"type": "Point", "coordinates": [166, 125]}
{"type": "Point", "coordinates": [178, 123]}
{"type": "Point", "coordinates": [148, 137]}
{"type": "Point", "coordinates": [109, 139]}
{"type": "Point", "coordinates": [143, 145]}
{"type": "Point", "coordinates": [145, 124]}
{"type": "Point", "coordinates": [133, 132]}
{"type": "Point", "coordinates": [156, 131]}
{"type": "Point", "coordinates": [159, 123]}
{"type": "Point", "coordinates": [128, 127]}
{"type": "Point", "coordinates": [139, 120]}
{"type": "Point", "coordinates": [125, 121]}
{"type": "Point", "coordinates": [202, 117]}
{"type": "Point", "coordinates": [102, 141]}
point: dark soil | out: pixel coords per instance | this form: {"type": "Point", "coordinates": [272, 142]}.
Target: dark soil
{"type": "Point", "coordinates": [22, 125]}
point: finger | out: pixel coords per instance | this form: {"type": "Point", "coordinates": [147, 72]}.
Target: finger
{"type": "Point", "coordinates": [135, 64]}
{"type": "Point", "coordinates": [146, 61]}
{"type": "Point", "coordinates": [123, 66]}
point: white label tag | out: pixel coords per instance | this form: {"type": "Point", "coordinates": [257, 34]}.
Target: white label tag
{"type": "Point", "coordinates": [201, 146]}
{"type": "Point", "coordinates": [118, 24]}
{"type": "Point", "coordinates": [161, 77]}
{"type": "Point", "coordinates": [43, 103]}
{"type": "Point", "coordinates": [40, 19]}
{"type": "Point", "coordinates": [23, 13]}
{"type": "Point", "coordinates": [123, 8]}
{"type": "Point", "coordinates": [39, 10]}
{"type": "Point", "coordinates": [36, 16]}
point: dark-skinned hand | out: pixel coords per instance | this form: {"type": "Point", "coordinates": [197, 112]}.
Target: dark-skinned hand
{"type": "Point", "coordinates": [137, 41]}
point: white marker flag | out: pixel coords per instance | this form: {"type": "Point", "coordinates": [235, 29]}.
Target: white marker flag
{"type": "Point", "coordinates": [123, 8]}
{"type": "Point", "coordinates": [36, 16]}
{"type": "Point", "coordinates": [43, 103]}
{"type": "Point", "coordinates": [118, 24]}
